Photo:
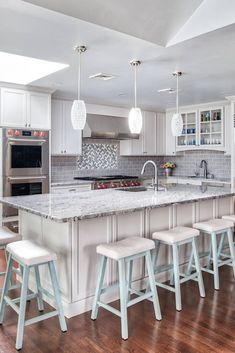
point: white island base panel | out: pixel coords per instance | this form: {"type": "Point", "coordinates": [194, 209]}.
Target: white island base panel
{"type": "Point", "coordinates": [75, 244]}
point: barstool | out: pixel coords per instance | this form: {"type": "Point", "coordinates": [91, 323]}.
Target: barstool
{"type": "Point", "coordinates": [213, 228]}
{"type": "Point", "coordinates": [30, 255]}
{"type": "Point", "coordinates": [124, 252]}
{"type": "Point", "coordinates": [175, 237]}
{"type": "Point", "coordinates": [7, 237]}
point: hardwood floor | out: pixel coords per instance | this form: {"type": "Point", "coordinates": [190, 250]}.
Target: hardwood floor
{"type": "Point", "coordinates": [204, 325]}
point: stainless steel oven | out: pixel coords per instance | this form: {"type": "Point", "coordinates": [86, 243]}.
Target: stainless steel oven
{"type": "Point", "coordinates": [25, 164]}
{"type": "Point", "coordinates": [25, 152]}
{"type": "Point", "coordinates": [21, 186]}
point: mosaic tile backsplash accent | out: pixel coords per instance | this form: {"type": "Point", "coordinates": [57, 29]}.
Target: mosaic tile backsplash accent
{"type": "Point", "coordinates": [101, 157]}
{"type": "Point", "coordinates": [98, 156]}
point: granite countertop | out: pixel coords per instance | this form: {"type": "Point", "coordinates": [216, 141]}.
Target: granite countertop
{"type": "Point", "coordinates": [98, 203]}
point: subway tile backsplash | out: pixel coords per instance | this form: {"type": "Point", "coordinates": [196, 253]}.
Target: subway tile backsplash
{"type": "Point", "coordinates": [101, 157]}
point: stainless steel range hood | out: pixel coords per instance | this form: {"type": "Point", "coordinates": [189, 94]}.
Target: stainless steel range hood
{"type": "Point", "coordinates": [107, 127]}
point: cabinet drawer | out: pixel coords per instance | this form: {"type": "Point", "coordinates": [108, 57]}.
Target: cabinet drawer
{"type": "Point", "coordinates": [68, 189]}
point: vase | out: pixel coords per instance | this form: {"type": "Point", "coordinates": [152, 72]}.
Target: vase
{"type": "Point", "coordinates": [168, 172]}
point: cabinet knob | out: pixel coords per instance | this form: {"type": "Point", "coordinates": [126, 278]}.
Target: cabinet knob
{"type": "Point", "coordinates": [61, 151]}
{"type": "Point", "coordinates": [64, 151]}
{"type": "Point", "coordinates": [25, 125]}
{"type": "Point", "coordinates": [29, 125]}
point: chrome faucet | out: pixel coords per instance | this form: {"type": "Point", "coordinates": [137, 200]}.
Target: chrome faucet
{"type": "Point", "coordinates": [203, 164]}
{"type": "Point", "coordinates": [155, 180]}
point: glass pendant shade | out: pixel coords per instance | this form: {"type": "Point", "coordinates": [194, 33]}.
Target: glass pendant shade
{"type": "Point", "coordinates": [176, 124]}
{"type": "Point", "coordinates": [135, 120]}
{"type": "Point", "coordinates": [78, 115]}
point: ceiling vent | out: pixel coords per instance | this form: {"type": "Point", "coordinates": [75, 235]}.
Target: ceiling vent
{"type": "Point", "coordinates": [102, 76]}
{"type": "Point", "coordinates": [167, 90]}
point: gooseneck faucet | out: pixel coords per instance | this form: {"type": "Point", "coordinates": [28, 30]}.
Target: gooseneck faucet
{"type": "Point", "coordinates": [155, 181]}
{"type": "Point", "coordinates": [203, 164]}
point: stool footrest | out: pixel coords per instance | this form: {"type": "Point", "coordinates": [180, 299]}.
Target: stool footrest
{"type": "Point", "coordinates": [141, 297]}
{"type": "Point", "coordinates": [162, 268]}
{"type": "Point", "coordinates": [188, 277]}
{"type": "Point", "coordinates": [165, 286]}
{"type": "Point", "coordinates": [109, 308]}
{"type": "Point", "coordinates": [36, 319]}
{"type": "Point", "coordinates": [12, 304]}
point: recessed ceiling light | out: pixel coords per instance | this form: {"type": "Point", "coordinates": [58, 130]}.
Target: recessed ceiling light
{"type": "Point", "coordinates": [24, 70]}
{"type": "Point", "coordinates": [102, 76]}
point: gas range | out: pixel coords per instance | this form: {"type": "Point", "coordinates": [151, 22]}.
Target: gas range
{"type": "Point", "coordinates": [112, 181]}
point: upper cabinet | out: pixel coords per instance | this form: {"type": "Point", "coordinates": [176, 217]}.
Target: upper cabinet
{"type": "Point", "coordinates": [204, 128]}
{"type": "Point", "coordinates": [151, 141]}
{"type": "Point", "coordinates": [64, 139]}
{"type": "Point", "coordinates": [20, 108]}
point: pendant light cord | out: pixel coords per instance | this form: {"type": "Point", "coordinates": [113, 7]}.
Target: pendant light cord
{"type": "Point", "coordinates": [177, 93]}
{"type": "Point", "coordinates": [135, 85]}
{"type": "Point", "coordinates": [79, 75]}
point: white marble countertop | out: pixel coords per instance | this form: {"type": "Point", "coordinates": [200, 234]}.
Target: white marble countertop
{"type": "Point", "coordinates": [97, 203]}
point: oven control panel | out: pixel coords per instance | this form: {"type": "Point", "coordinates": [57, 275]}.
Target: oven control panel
{"type": "Point", "coordinates": [30, 134]}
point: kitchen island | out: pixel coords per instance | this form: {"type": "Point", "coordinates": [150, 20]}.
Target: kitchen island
{"type": "Point", "coordinates": [72, 224]}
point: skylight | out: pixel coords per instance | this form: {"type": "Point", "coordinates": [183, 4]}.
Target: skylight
{"type": "Point", "coordinates": [24, 70]}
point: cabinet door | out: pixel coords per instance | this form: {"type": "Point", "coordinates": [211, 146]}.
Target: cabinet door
{"type": "Point", "coordinates": [39, 110]}
{"type": "Point", "coordinates": [160, 134]}
{"type": "Point", "coordinates": [149, 134]}
{"type": "Point", "coordinates": [170, 139]}
{"type": "Point", "coordinates": [13, 107]}
{"type": "Point", "coordinates": [57, 138]}
{"type": "Point", "coordinates": [72, 138]}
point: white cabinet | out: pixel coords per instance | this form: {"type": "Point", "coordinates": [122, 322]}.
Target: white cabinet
{"type": "Point", "coordinates": [149, 143]}
{"type": "Point", "coordinates": [204, 128]}
{"type": "Point", "coordinates": [13, 107]}
{"type": "Point", "coordinates": [21, 108]}
{"type": "Point", "coordinates": [39, 110]}
{"type": "Point", "coordinates": [170, 139]}
{"type": "Point", "coordinates": [64, 139]}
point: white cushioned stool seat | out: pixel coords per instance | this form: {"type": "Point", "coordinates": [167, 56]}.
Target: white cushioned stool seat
{"type": "Point", "coordinates": [176, 234]}
{"type": "Point", "coordinates": [230, 217]}
{"type": "Point", "coordinates": [126, 247]}
{"type": "Point", "coordinates": [29, 253]}
{"type": "Point", "coordinates": [213, 225]}
{"type": "Point", "coordinates": [7, 236]}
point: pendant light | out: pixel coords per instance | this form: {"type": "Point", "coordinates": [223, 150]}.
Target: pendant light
{"type": "Point", "coordinates": [177, 121]}
{"type": "Point", "coordinates": [78, 111]}
{"type": "Point", "coordinates": [135, 119]}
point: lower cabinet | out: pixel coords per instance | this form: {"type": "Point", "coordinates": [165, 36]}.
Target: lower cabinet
{"type": "Point", "coordinates": [64, 139]}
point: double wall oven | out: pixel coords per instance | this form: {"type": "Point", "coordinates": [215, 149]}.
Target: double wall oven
{"type": "Point", "coordinates": [25, 164]}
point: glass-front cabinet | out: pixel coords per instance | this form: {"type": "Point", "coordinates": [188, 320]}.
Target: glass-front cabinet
{"type": "Point", "coordinates": [202, 129]}
{"type": "Point", "coordinates": [189, 132]}
{"type": "Point", "coordinates": [211, 127]}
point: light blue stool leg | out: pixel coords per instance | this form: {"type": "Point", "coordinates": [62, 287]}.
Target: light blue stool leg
{"type": "Point", "coordinates": [215, 260]}
{"type": "Point", "coordinates": [6, 286]}
{"type": "Point", "coordinates": [38, 286]}
{"type": "Point", "coordinates": [221, 244]}
{"type": "Point", "coordinates": [100, 280]}
{"type": "Point", "coordinates": [59, 306]}
{"type": "Point", "coordinates": [209, 255]}
{"type": "Point", "coordinates": [231, 248]}
{"type": "Point", "coordinates": [155, 253]}
{"type": "Point", "coordinates": [156, 304]}
{"type": "Point", "coordinates": [23, 299]}
{"type": "Point", "coordinates": [129, 278]}
{"type": "Point", "coordinates": [177, 277]}
{"type": "Point", "coordinates": [198, 268]}
{"type": "Point", "coordinates": [123, 300]}
{"type": "Point", "coordinates": [190, 263]}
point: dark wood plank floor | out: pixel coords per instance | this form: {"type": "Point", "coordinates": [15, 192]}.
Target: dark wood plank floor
{"type": "Point", "coordinates": [204, 325]}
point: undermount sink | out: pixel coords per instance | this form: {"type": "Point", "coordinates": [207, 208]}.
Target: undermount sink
{"type": "Point", "coordinates": [133, 189]}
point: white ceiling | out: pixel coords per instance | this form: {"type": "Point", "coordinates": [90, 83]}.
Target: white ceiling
{"type": "Point", "coordinates": [207, 60]}
{"type": "Point", "coordinates": [152, 20]}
